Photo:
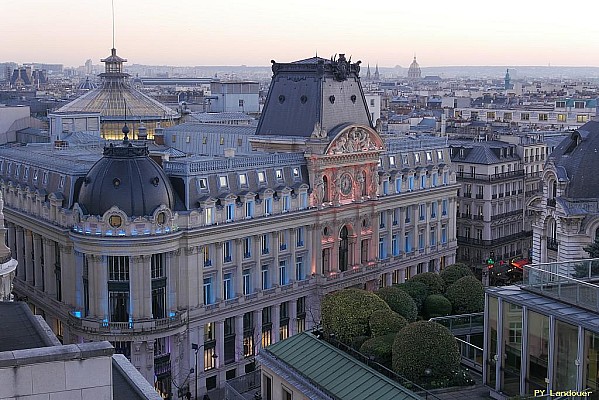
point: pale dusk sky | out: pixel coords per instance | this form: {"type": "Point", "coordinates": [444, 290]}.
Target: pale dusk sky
{"type": "Point", "coordinates": [252, 32]}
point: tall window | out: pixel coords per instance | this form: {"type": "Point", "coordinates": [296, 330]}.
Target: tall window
{"type": "Point", "coordinates": [208, 293]}
{"type": "Point", "coordinates": [286, 202]}
{"type": "Point", "coordinates": [118, 288]}
{"type": "Point", "coordinates": [265, 277]}
{"type": "Point", "coordinates": [299, 236]}
{"type": "Point", "coordinates": [303, 200]}
{"type": "Point", "coordinates": [249, 209]}
{"type": "Point", "coordinates": [158, 286]}
{"type": "Point", "coordinates": [227, 251]}
{"type": "Point", "coordinates": [343, 249]}
{"type": "Point", "coordinates": [283, 280]}
{"type": "Point", "coordinates": [265, 243]}
{"type": "Point", "coordinates": [268, 206]}
{"type": "Point", "coordinates": [209, 215]}
{"type": "Point", "coordinates": [228, 287]}
{"type": "Point", "coordinates": [230, 212]}
{"type": "Point", "coordinates": [395, 245]}
{"type": "Point", "coordinates": [299, 268]}
{"type": "Point", "coordinates": [398, 185]}
{"type": "Point", "coordinates": [247, 247]}
{"type": "Point", "coordinates": [247, 282]}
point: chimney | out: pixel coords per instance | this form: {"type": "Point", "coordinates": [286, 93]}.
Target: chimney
{"type": "Point", "coordinates": [142, 132]}
{"type": "Point", "coordinates": [159, 135]}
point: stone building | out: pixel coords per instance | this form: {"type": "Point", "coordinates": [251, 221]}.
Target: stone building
{"type": "Point", "coordinates": [199, 261]}
{"type": "Point", "coordinates": [566, 214]}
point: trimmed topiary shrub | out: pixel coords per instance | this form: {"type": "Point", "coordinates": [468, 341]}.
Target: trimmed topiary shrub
{"type": "Point", "coordinates": [433, 282]}
{"type": "Point", "coordinates": [453, 272]}
{"type": "Point", "coordinates": [384, 322]}
{"type": "Point", "coordinates": [467, 295]}
{"type": "Point", "coordinates": [423, 346]}
{"type": "Point", "coordinates": [399, 301]}
{"type": "Point", "coordinates": [379, 347]}
{"type": "Point", "coordinates": [346, 313]}
{"type": "Point", "coordinates": [418, 291]}
{"type": "Point", "coordinates": [436, 305]}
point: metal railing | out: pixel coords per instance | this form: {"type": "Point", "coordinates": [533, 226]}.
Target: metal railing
{"type": "Point", "coordinates": [248, 383]}
{"type": "Point", "coordinates": [462, 324]}
{"type": "Point", "coordinates": [570, 282]}
{"type": "Point", "coordinates": [472, 356]}
{"type": "Point", "coordinates": [91, 325]}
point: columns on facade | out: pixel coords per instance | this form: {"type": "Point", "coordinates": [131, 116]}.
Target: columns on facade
{"type": "Point", "coordinates": [357, 249]}
{"type": "Point", "coordinates": [389, 232]}
{"type": "Point", "coordinates": [276, 322]}
{"type": "Point", "coordinates": [275, 253]}
{"type": "Point", "coordinates": [374, 246]}
{"type": "Point", "coordinates": [239, 338]}
{"type": "Point", "coordinates": [49, 267]}
{"type": "Point", "coordinates": [12, 240]}
{"type": "Point", "coordinates": [292, 304]}
{"type": "Point", "coordinates": [239, 267]}
{"type": "Point", "coordinates": [95, 287]}
{"type": "Point", "coordinates": [27, 258]}
{"type": "Point", "coordinates": [257, 330]}
{"type": "Point", "coordinates": [179, 278]}
{"type": "Point", "coordinates": [142, 357]}
{"type": "Point", "coordinates": [219, 331]}
{"type": "Point", "coordinates": [316, 259]}
{"type": "Point", "coordinates": [218, 286]}
{"type": "Point", "coordinates": [141, 287]}
{"type": "Point", "coordinates": [37, 262]}
{"type": "Point", "coordinates": [257, 276]}
{"type": "Point", "coordinates": [292, 249]}
{"type": "Point", "coordinates": [334, 260]}
{"type": "Point", "coordinates": [189, 273]}
{"type": "Point", "coordinates": [68, 274]}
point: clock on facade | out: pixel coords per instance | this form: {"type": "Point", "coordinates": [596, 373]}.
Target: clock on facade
{"type": "Point", "coordinates": [346, 184]}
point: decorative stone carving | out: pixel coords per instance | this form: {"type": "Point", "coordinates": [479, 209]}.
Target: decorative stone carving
{"type": "Point", "coordinates": [318, 132]}
{"type": "Point", "coordinates": [354, 140]}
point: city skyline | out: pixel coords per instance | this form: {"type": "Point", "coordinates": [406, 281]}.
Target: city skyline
{"type": "Point", "coordinates": [244, 33]}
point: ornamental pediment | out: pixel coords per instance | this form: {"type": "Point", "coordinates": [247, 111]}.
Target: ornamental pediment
{"type": "Point", "coordinates": [355, 139]}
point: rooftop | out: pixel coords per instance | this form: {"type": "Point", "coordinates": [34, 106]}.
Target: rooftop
{"type": "Point", "coordinates": [331, 370]}
{"type": "Point", "coordinates": [20, 330]}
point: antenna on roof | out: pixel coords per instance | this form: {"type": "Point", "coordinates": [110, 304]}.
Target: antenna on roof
{"type": "Point", "coordinates": [112, 23]}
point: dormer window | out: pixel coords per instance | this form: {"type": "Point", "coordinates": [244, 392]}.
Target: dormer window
{"type": "Point", "coordinates": [223, 182]}
{"type": "Point", "coordinates": [404, 159]}
{"type": "Point", "coordinates": [261, 177]}
{"type": "Point", "coordinates": [429, 156]}
{"type": "Point", "coordinates": [392, 161]}
{"type": "Point", "coordinates": [279, 174]}
{"type": "Point", "coordinates": [26, 173]}
{"type": "Point", "coordinates": [202, 183]}
{"type": "Point", "coordinates": [243, 180]}
{"type": "Point", "coordinates": [417, 157]}
{"type": "Point", "coordinates": [61, 182]}
{"type": "Point", "coordinates": [296, 172]}
{"type": "Point", "coordinates": [439, 155]}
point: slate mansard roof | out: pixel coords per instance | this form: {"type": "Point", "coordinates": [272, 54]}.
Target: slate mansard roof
{"type": "Point", "coordinates": [576, 159]}
{"type": "Point", "coordinates": [313, 91]}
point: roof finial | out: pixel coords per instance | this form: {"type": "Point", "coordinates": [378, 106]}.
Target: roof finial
{"type": "Point", "coordinates": [125, 129]}
{"type": "Point", "coordinates": [113, 24]}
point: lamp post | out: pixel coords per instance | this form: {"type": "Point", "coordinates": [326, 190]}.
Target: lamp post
{"type": "Point", "coordinates": [195, 347]}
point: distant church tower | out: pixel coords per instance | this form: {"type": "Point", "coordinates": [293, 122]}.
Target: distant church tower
{"type": "Point", "coordinates": [507, 79]}
{"type": "Point", "coordinates": [414, 70]}
{"type": "Point", "coordinates": [376, 73]}
{"type": "Point", "coordinates": [368, 72]}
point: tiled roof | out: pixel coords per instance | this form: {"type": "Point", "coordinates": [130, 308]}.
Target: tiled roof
{"type": "Point", "coordinates": [333, 371]}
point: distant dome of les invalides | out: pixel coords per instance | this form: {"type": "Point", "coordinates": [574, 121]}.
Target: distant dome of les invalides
{"type": "Point", "coordinates": [414, 70]}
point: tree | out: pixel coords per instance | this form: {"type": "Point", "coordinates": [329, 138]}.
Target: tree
{"type": "Point", "coordinates": [593, 248]}
{"type": "Point", "coordinates": [436, 305]}
{"type": "Point", "coordinates": [346, 313]}
{"type": "Point", "coordinates": [425, 348]}
{"type": "Point", "coordinates": [453, 272]}
{"type": "Point", "coordinates": [433, 282]}
{"type": "Point", "coordinates": [418, 291]}
{"type": "Point", "coordinates": [399, 301]}
{"type": "Point", "coordinates": [467, 295]}
{"type": "Point", "coordinates": [384, 322]}
{"type": "Point", "coordinates": [380, 348]}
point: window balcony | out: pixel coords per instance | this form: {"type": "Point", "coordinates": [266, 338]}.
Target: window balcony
{"type": "Point", "coordinates": [552, 244]}
{"type": "Point", "coordinates": [227, 259]}
{"type": "Point", "coordinates": [283, 247]}
{"type": "Point", "coordinates": [207, 263]}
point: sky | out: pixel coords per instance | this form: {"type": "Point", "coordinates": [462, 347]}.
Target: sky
{"type": "Point", "coordinates": [252, 32]}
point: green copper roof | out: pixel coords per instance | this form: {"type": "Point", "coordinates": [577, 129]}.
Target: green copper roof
{"type": "Point", "coordinates": [335, 372]}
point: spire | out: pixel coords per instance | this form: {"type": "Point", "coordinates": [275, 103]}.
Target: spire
{"type": "Point", "coordinates": [376, 72]}
{"type": "Point", "coordinates": [368, 72]}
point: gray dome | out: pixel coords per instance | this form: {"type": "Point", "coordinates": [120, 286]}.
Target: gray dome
{"type": "Point", "coordinates": [578, 156]}
{"type": "Point", "coordinates": [128, 178]}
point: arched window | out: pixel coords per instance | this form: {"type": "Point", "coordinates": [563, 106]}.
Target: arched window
{"type": "Point", "coordinates": [343, 249]}
{"type": "Point", "coordinates": [363, 184]}
{"type": "Point", "coordinates": [554, 189]}
{"type": "Point", "coordinates": [325, 189]}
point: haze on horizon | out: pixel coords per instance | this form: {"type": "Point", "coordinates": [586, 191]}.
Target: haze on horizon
{"type": "Point", "coordinates": [230, 32]}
